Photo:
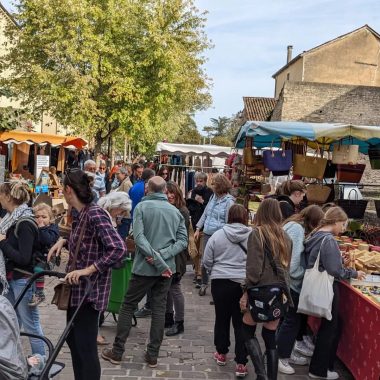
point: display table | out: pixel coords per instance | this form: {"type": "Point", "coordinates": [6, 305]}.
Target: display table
{"type": "Point", "coordinates": [359, 346]}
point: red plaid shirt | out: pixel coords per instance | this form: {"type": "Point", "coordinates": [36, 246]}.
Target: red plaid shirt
{"type": "Point", "coordinates": [102, 246]}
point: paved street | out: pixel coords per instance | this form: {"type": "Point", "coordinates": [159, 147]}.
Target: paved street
{"type": "Point", "coordinates": [187, 356]}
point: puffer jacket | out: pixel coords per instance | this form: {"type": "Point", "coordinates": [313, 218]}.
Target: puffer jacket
{"type": "Point", "coordinates": [215, 214]}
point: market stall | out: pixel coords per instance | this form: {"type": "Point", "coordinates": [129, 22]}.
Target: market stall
{"type": "Point", "coordinates": [183, 160]}
{"type": "Point", "coordinates": [326, 156]}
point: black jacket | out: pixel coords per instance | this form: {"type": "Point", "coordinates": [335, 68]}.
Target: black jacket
{"type": "Point", "coordinates": [195, 208]}
{"type": "Point", "coordinates": [19, 251]}
{"type": "Point", "coordinates": [287, 206]}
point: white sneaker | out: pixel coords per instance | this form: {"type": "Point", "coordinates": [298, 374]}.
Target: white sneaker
{"type": "Point", "coordinates": [307, 339]}
{"type": "Point", "coordinates": [302, 349]}
{"type": "Point", "coordinates": [330, 376]}
{"type": "Point", "coordinates": [297, 359]}
{"type": "Point", "coordinates": [285, 367]}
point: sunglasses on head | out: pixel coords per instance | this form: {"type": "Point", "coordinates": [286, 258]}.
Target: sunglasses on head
{"type": "Point", "coordinates": [71, 171]}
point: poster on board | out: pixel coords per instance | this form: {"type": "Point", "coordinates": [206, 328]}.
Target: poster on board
{"type": "Point", "coordinates": [42, 171]}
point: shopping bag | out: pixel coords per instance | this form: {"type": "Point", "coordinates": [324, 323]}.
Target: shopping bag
{"type": "Point", "coordinates": [309, 166]}
{"type": "Point", "coordinates": [374, 156]}
{"type": "Point", "coordinates": [349, 173]}
{"type": "Point", "coordinates": [192, 247]}
{"type": "Point", "coordinates": [277, 160]}
{"type": "Point", "coordinates": [317, 193]}
{"type": "Point", "coordinates": [354, 208]}
{"type": "Point", "coordinates": [345, 154]}
{"type": "Point", "coordinates": [317, 292]}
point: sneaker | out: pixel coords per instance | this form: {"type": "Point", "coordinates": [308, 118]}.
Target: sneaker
{"type": "Point", "coordinates": [220, 358]}
{"type": "Point", "coordinates": [109, 355]}
{"type": "Point", "coordinates": [37, 299]}
{"type": "Point", "coordinates": [241, 370]}
{"type": "Point", "coordinates": [152, 362]}
{"type": "Point", "coordinates": [331, 375]}
{"type": "Point", "coordinates": [202, 290]}
{"type": "Point", "coordinates": [297, 359]}
{"type": "Point", "coordinates": [285, 367]}
{"type": "Point", "coordinates": [302, 349]}
{"type": "Point", "coordinates": [195, 280]}
{"type": "Point", "coordinates": [308, 340]}
{"type": "Point", "coordinates": [143, 313]}
{"type": "Point", "coordinates": [198, 283]}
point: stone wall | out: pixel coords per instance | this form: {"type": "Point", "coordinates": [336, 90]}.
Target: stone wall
{"type": "Point", "coordinates": [330, 103]}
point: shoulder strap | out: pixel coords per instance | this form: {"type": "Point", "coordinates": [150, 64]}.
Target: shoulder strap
{"type": "Point", "coordinates": [72, 266]}
{"type": "Point", "coordinates": [239, 244]}
{"type": "Point", "coordinates": [28, 219]}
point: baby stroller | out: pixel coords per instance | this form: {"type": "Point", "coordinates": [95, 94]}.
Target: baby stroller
{"type": "Point", "coordinates": [13, 364]}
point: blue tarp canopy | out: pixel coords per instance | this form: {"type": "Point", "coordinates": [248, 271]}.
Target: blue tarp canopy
{"type": "Point", "coordinates": [267, 133]}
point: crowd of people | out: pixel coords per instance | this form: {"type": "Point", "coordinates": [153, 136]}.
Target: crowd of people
{"type": "Point", "coordinates": [256, 271]}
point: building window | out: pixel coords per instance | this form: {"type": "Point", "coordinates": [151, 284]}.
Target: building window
{"type": "Point", "coordinates": [287, 76]}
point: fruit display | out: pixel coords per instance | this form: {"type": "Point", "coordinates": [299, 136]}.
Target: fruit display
{"type": "Point", "coordinates": [370, 291]}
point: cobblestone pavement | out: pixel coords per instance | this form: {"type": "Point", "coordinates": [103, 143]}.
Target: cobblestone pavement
{"type": "Point", "coordinates": [186, 356]}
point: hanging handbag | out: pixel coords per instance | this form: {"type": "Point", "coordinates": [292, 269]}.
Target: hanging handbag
{"type": "Point", "coordinates": [268, 302]}
{"type": "Point", "coordinates": [317, 291]}
{"type": "Point", "coordinates": [349, 173]}
{"type": "Point", "coordinates": [277, 160]}
{"type": "Point", "coordinates": [345, 154]}
{"type": "Point", "coordinates": [330, 170]}
{"type": "Point", "coordinates": [309, 166]}
{"type": "Point", "coordinates": [354, 209]}
{"type": "Point", "coordinates": [374, 156]}
{"type": "Point", "coordinates": [317, 193]}
{"type": "Point", "coordinates": [62, 291]}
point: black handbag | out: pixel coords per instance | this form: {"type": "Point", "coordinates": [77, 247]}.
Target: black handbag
{"type": "Point", "coordinates": [268, 302]}
{"type": "Point", "coordinates": [354, 209]}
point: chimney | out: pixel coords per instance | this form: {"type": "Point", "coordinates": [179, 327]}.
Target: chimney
{"type": "Point", "coordinates": [289, 55]}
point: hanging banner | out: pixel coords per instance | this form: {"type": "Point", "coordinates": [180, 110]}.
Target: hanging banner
{"type": "Point", "coordinates": [42, 173]}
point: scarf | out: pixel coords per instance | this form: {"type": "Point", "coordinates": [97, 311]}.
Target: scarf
{"type": "Point", "coordinates": [3, 275]}
{"type": "Point", "coordinates": [11, 218]}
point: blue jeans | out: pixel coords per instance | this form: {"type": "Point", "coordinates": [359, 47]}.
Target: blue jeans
{"type": "Point", "coordinates": [123, 227]}
{"type": "Point", "coordinates": [28, 316]}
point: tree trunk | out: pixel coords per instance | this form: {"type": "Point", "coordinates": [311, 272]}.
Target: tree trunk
{"type": "Point", "coordinates": [98, 143]}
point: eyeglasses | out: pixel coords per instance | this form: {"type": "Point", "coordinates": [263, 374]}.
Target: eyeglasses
{"type": "Point", "coordinates": [102, 168]}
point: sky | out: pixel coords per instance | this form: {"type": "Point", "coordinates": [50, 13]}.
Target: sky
{"type": "Point", "coordinates": [250, 39]}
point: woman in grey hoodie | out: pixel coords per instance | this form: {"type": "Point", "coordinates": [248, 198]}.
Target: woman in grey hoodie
{"type": "Point", "coordinates": [225, 259]}
{"type": "Point", "coordinates": [322, 242]}
{"type": "Point", "coordinates": [297, 227]}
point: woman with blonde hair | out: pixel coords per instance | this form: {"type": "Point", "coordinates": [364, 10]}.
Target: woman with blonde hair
{"type": "Point", "coordinates": [297, 227]}
{"type": "Point", "coordinates": [214, 217]}
{"type": "Point", "coordinates": [18, 243]}
{"type": "Point", "coordinates": [323, 244]}
{"type": "Point", "coordinates": [267, 293]}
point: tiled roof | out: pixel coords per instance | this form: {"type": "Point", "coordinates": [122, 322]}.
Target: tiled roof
{"type": "Point", "coordinates": [258, 109]}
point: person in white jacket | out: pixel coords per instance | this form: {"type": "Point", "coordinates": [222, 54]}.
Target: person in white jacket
{"type": "Point", "coordinates": [224, 259]}
{"type": "Point", "coordinates": [294, 325]}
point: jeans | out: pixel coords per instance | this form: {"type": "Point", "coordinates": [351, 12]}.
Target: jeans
{"type": "Point", "coordinates": [82, 343]}
{"type": "Point", "coordinates": [226, 295]}
{"type": "Point", "coordinates": [138, 287]}
{"type": "Point", "coordinates": [177, 300]}
{"type": "Point", "coordinates": [123, 227]}
{"type": "Point", "coordinates": [289, 328]}
{"type": "Point", "coordinates": [327, 341]}
{"type": "Point", "coordinates": [28, 316]}
{"type": "Point", "coordinates": [204, 272]}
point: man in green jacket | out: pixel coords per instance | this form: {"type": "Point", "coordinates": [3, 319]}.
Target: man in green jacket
{"type": "Point", "coordinates": [160, 234]}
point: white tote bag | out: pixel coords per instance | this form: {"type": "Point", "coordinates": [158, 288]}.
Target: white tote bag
{"type": "Point", "coordinates": [317, 292]}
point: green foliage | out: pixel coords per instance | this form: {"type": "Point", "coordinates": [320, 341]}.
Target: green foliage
{"type": "Point", "coordinates": [188, 133]}
{"type": "Point", "coordinates": [105, 65]}
{"type": "Point", "coordinates": [10, 118]}
{"type": "Point", "coordinates": [221, 141]}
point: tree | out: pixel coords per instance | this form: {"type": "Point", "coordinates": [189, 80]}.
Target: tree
{"type": "Point", "coordinates": [104, 65]}
{"type": "Point", "coordinates": [188, 133]}
{"type": "Point", "coordinates": [220, 125]}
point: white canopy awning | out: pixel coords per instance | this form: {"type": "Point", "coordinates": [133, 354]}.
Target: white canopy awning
{"type": "Point", "coordinates": [194, 150]}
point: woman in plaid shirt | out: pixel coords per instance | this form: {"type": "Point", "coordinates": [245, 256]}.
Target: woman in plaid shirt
{"type": "Point", "coordinates": [100, 248]}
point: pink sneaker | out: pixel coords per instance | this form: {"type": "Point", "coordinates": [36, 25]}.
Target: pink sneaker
{"type": "Point", "coordinates": [241, 370]}
{"type": "Point", "coordinates": [220, 358]}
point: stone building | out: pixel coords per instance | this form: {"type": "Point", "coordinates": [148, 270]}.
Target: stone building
{"type": "Point", "coordinates": [349, 59]}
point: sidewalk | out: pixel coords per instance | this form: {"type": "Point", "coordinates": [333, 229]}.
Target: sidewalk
{"type": "Point", "coordinates": [186, 356]}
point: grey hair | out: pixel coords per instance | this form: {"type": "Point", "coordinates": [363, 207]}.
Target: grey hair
{"type": "Point", "coordinates": [88, 163]}
{"type": "Point", "coordinates": [123, 170]}
{"type": "Point", "coordinates": [116, 199]}
{"type": "Point", "coordinates": [200, 175]}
